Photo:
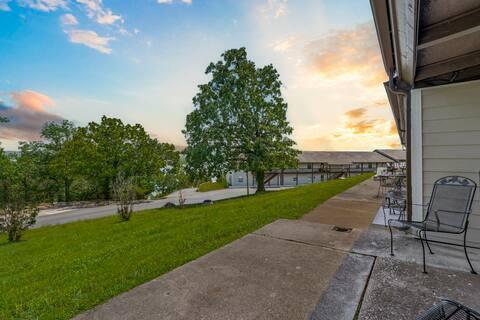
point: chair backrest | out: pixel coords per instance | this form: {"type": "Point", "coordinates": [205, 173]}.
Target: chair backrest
{"type": "Point", "coordinates": [451, 201]}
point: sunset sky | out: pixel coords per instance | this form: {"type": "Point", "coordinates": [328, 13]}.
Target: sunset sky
{"type": "Point", "coordinates": [141, 61]}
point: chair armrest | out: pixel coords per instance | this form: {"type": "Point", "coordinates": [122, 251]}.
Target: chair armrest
{"type": "Point", "coordinates": [453, 211]}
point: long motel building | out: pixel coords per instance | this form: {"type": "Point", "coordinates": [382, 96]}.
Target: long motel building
{"type": "Point", "coordinates": [319, 166]}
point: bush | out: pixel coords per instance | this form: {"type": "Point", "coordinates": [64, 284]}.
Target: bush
{"type": "Point", "coordinates": [18, 208]}
{"type": "Point", "coordinates": [124, 192]}
{"type": "Point", "coordinates": [14, 221]}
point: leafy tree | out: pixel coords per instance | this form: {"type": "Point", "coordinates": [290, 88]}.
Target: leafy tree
{"type": "Point", "coordinates": [61, 153]}
{"type": "Point", "coordinates": [111, 147]}
{"type": "Point", "coordinates": [17, 203]}
{"type": "Point", "coordinates": [239, 121]}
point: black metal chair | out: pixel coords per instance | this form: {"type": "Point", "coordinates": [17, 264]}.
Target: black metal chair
{"type": "Point", "coordinates": [447, 212]}
{"type": "Point", "coordinates": [449, 309]}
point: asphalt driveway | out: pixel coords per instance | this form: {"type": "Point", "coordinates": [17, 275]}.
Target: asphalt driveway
{"type": "Point", "coordinates": [66, 215]}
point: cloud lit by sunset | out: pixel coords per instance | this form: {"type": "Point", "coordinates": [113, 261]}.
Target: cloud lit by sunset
{"type": "Point", "coordinates": [142, 61]}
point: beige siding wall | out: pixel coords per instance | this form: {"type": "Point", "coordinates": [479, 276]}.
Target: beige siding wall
{"type": "Point", "coordinates": [451, 140]}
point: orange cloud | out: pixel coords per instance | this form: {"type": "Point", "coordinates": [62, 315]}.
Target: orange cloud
{"type": "Point", "coordinates": [32, 100]}
{"type": "Point", "coordinates": [348, 52]}
{"type": "Point", "coordinates": [356, 113]}
{"type": "Point", "coordinates": [380, 103]}
{"type": "Point", "coordinates": [27, 116]}
{"type": "Point", "coordinates": [393, 128]}
{"type": "Point", "coordinates": [362, 126]}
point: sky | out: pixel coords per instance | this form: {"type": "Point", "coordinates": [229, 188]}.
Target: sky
{"type": "Point", "coordinates": [142, 60]}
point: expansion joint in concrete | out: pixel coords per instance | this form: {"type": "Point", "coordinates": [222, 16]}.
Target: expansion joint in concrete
{"type": "Point", "coordinates": [359, 306]}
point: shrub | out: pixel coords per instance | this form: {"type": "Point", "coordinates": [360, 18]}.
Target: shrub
{"type": "Point", "coordinates": [124, 192]}
{"type": "Point", "coordinates": [181, 198]}
{"type": "Point", "coordinates": [17, 199]}
{"type": "Point", "coordinates": [14, 221]}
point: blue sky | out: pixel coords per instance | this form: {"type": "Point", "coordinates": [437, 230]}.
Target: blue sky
{"type": "Point", "coordinates": [142, 60]}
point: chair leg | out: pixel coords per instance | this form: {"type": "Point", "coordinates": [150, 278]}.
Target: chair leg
{"type": "Point", "coordinates": [384, 216]}
{"type": "Point", "coordinates": [465, 249]}
{"type": "Point", "coordinates": [391, 238]}
{"type": "Point", "coordinates": [426, 240]}
{"type": "Point", "coordinates": [423, 252]}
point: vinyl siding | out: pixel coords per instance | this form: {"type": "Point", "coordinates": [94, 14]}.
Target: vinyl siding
{"type": "Point", "coordinates": [451, 140]}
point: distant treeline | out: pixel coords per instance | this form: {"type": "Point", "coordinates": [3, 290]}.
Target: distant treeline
{"type": "Point", "coordinates": [73, 163]}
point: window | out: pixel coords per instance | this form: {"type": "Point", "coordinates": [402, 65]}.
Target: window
{"type": "Point", "coordinates": [294, 179]}
{"type": "Point", "coordinates": [357, 166]}
{"type": "Point", "coordinates": [370, 166]}
{"type": "Point", "coordinates": [240, 179]}
{"type": "Point", "coordinates": [309, 166]}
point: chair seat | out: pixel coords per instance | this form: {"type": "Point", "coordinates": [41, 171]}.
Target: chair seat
{"type": "Point", "coordinates": [449, 310]}
{"type": "Point", "coordinates": [426, 225]}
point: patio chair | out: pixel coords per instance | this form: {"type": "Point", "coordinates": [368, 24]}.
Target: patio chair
{"type": "Point", "coordinates": [448, 309]}
{"type": "Point", "coordinates": [447, 212]}
{"type": "Point", "coordinates": [395, 200]}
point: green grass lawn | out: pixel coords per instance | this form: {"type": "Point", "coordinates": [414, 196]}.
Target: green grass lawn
{"type": "Point", "coordinates": [57, 272]}
{"type": "Point", "coordinates": [210, 186]}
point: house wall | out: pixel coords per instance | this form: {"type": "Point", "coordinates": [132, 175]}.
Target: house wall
{"type": "Point", "coordinates": [238, 179]}
{"type": "Point", "coordinates": [450, 140]}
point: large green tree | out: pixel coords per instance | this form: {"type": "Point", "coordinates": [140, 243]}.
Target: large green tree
{"type": "Point", "coordinates": [111, 148]}
{"type": "Point", "coordinates": [60, 154]}
{"type": "Point", "coordinates": [239, 121]}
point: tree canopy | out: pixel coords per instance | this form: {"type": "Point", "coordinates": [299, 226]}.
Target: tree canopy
{"type": "Point", "coordinates": [239, 121]}
{"type": "Point", "coordinates": [81, 163]}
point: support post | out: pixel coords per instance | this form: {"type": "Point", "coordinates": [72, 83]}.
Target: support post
{"type": "Point", "coordinates": [312, 172]}
{"type": "Point", "coordinates": [409, 158]}
{"type": "Point", "coordinates": [248, 189]}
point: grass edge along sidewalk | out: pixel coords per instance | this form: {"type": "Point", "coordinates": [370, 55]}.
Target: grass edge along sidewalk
{"type": "Point", "coordinates": [59, 271]}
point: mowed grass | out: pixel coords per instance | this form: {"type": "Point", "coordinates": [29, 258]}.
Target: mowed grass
{"type": "Point", "coordinates": [57, 272]}
{"type": "Point", "coordinates": [210, 186]}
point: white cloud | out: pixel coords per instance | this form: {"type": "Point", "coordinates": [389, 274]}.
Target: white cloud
{"type": "Point", "coordinates": [136, 31]}
{"type": "Point", "coordinates": [68, 20]}
{"type": "Point", "coordinates": [90, 39]}
{"type": "Point", "coordinates": [44, 5]}
{"type": "Point", "coordinates": [284, 44]}
{"type": "Point", "coordinates": [274, 8]}
{"type": "Point", "coordinates": [101, 15]}
{"type": "Point", "coordinates": [4, 5]}
{"type": "Point", "coordinates": [171, 1]}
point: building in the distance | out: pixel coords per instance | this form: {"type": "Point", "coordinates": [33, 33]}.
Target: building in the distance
{"type": "Point", "coordinates": [318, 166]}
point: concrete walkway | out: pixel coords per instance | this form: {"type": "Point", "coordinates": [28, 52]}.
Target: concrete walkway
{"type": "Point", "coordinates": [260, 276]}
{"type": "Point", "coordinates": [354, 208]}
{"type": "Point", "coordinates": [281, 271]}
{"type": "Point", "coordinates": [299, 269]}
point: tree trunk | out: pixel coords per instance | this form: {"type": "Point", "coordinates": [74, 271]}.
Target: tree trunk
{"type": "Point", "coordinates": [67, 190]}
{"type": "Point", "coordinates": [260, 180]}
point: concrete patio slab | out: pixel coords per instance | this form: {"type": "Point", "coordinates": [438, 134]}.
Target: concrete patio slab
{"type": "Point", "coordinates": [399, 290]}
{"type": "Point", "coordinates": [342, 297]}
{"type": "Point", "coordinates": [376, 242]}
{"type": "Point", "coordinates": [255, 277]}
{"type": "Point", "coordinates": [354, 208]}
{"type": "Point", "coordinates": [310, 233]}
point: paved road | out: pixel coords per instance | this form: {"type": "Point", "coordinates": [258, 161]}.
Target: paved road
{"type": "Point", "coordinates": [65, 215]}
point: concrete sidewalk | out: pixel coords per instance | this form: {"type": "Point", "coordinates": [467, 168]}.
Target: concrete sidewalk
{"type": "Point", "coordinates": [282, 271]}
{"type": "Point", "coordinates": [260, 276]}
{"type": "Point", "coordinates": [354, 208]}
